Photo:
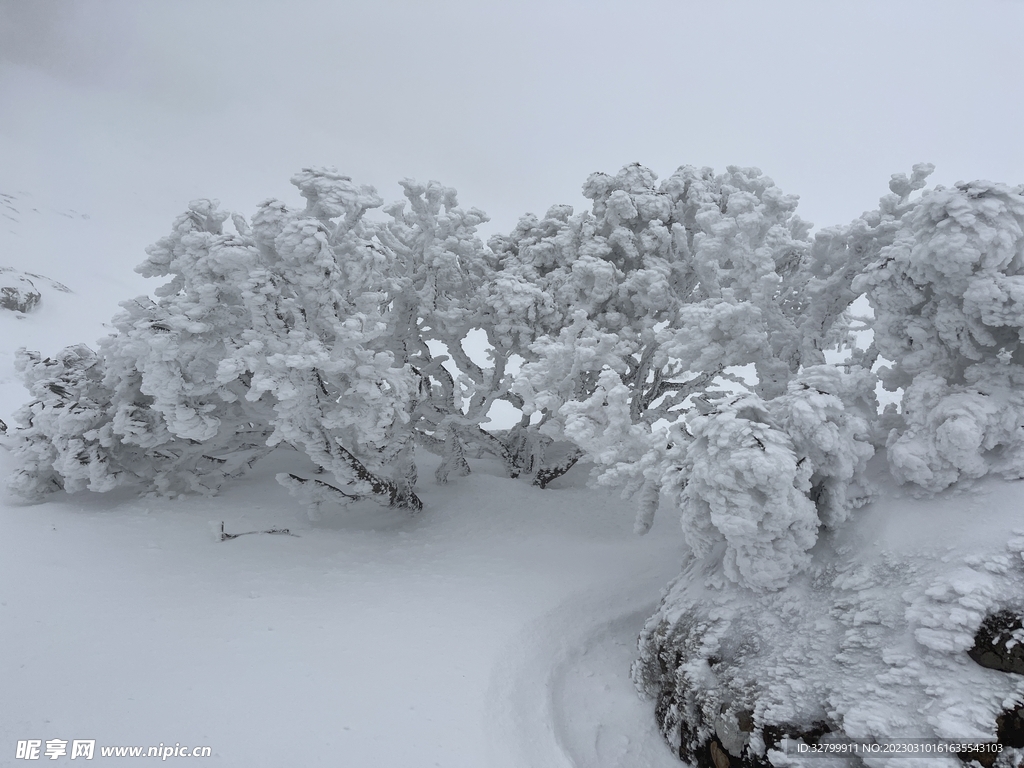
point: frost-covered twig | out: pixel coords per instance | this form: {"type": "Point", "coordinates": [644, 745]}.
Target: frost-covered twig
{"type": "Point", "coordinates": [225, 536]}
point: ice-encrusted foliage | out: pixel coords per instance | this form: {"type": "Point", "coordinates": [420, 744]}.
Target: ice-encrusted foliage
{"type": "Point", "coordinates": [319, 329]}
{"type": "Point", "coordinates": [948, 295]}
{"type": "Point", "coordinates": [656, 299]}
{"type": "Point", "coordinates": [742, 489]}
{"type": "Point", "coordinates": [691, 276]}
{"type": "Point", "coordinates": [447, 285]}
{"type": "Point", "coordinates": [960, 433]}
{"type": "Point", "coordinates": [274, 333]}
{"type": "Point", "coordinates": [692, 341]}
{"type": "Point", "coordinates": [59, 444]}
{"type": "Point", "coordinates": [760, 478]}
{"type": "Point", "coordinates": [827, 413]}
{"type": "Point", "coordinates": [156, 413]}
{"type": "Point", "coordinates": [800, 614]}
{"type": "Point", "coordinates": [652, 295]}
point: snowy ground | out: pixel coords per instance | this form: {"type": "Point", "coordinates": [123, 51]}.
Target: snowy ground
{"type": "Point", "coordinates": [495, 629]}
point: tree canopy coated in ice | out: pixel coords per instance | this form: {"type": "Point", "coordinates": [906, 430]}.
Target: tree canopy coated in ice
{"type": "Point", "coordinates": [948, 294]}
{"type": "Point", "coordinates": [689, 338]}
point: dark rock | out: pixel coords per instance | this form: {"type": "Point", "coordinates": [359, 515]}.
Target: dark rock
{"type": "Point", "coordinates": [704, 732]}
{"type": "Point", "coordinates": [999, 643]}
{"type": "Point", "coordinates": [706, 703]}
{"type": "Point", "coordinates": [812, 734]}
{"type": "Point", "coordinates": [18, 294]}
{"type": "Point", "coordinates": [1010, 728]}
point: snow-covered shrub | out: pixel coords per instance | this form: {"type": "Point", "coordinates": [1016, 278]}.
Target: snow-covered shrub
{"type": "Point", "coordinates": [799, 615]}
{"type": "Point", "coordinates": [445, 285]}
{"type": "Point", "coordinates": [827, 414]}
{"type": "Point", "coordinates": [666, 298]}
{"type": "Point", "coordinates": [948, 296]}
{"type": "Point", "coordinates": [759, 478]}
{"type": "Point", "coordinates": [743, 490]}
{"type": "Point", "coordinates": [676, 335]}
{"type": "Point", "coordinates": [147, 407]}
{"type": "Point", "coordinates": [276, 333]}
{"type": "Point", "coordinates": [651, 296]}
{"type": "Point", "coordinates": [960, 433]}
{"type": "Point", "coordinates": [436, 275]}
{"type": "Point", "coordinates": [692, 276]}
{"type": "Point", "coordinates": [59, 444]}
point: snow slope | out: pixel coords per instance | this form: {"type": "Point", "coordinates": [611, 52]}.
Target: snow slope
{"type": "Point", "coordinates": [496, 628]}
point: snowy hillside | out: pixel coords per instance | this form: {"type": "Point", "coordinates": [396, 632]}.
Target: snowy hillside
{"type": "Point", "coordinates": [490, 611]}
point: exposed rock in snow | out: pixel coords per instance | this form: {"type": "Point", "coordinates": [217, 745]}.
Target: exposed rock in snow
{"type": "Point", "coordinates": [877, 640]}
{"type": "Point", "coordinates": [19, 291]}
{"type": "Point", "coordinates": [21, 219]}
{"type": "Point", "coordinates": [998, 643]}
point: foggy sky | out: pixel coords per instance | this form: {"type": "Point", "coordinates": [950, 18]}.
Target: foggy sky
{"type": "Point", "coordinates": [136, 107]}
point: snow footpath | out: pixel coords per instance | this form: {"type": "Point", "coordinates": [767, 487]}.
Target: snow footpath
{"type": "Point", "coordinates": [496, 628]}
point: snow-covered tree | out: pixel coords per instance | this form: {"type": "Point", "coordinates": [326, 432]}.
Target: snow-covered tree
{"type": "Point", "coordinates": [155, 413]}
{"type": "Point", "coordinates": [58, 443]}
{"type": "Point", "coordinates": [442, 278]}
{"type": "Point", "coordinates": [760, 478]}
{"type": "Point", "coordinates": [948, 295]}
{"type": "Point", "coordinates": [276, 333]}
{"type": "Point", "coordinates": [689, 338]}
{"type": "Point", "coordinates": [666, 298]}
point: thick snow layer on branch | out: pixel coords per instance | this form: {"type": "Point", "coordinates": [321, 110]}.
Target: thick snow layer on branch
{"type": "Point", "coordinates": [948, 296]}
{"type": "Point", "coordinates": [743, 490]}
{"type": "Point", "coordinates": [759, 478]}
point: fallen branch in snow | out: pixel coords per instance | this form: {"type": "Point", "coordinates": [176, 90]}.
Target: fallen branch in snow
{"type": "Point", "coordinates": [225, 536]}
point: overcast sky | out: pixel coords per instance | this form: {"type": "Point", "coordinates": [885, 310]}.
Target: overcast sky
{"type": "Point", "coordinates": [136, 107]}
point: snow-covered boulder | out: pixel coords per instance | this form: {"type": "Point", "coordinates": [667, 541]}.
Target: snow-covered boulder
{"type": "Point", "coordinates": [906, 625]}
{"type": "Point", "coordinates": [20, 291]}
{"type": "Point", "coordinates": [17, 293]}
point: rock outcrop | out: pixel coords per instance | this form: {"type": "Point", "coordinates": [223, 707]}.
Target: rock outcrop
{"type": "Point", "coordinates": [19, 292]}
{"type": "Point", "coordinates": [900, 632]}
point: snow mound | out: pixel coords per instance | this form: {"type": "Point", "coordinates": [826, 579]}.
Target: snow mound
{"type": "Point", "coordinates": [871, 642]}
